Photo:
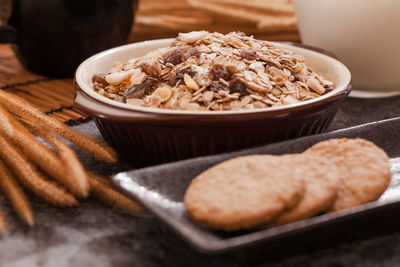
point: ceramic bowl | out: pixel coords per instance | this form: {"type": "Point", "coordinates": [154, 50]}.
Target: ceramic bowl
{"type": "Point", "coordinates": [146, 136]}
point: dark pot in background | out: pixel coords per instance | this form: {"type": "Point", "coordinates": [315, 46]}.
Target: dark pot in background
{"type": "Point", "coordinates": [53, 37]}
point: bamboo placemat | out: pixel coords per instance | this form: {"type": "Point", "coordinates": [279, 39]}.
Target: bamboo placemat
{"type": "Point", "coordinates": [52, 96]}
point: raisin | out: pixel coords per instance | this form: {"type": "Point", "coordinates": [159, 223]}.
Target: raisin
{"type": "Point", "coordinates": [175, 76]}
{"type": "Point", "coordinates": [219, 71]}
{"type": "Point", "coordinates": [248, 53]}
{"type": "Point", "coordinates": [218, 86]}
{"type": "Point", "coordinates": [189, 53]}
{"type": "Point", "coordinates": [150, 69]}
{"type": "Point", "coordinates": [100, 79]}
{"type": "Point", "coordinates": [174, 57]}
{"type": "Point", "coordinates": [179, 74]}
{"type": "Point", "coordinates": [236, 86]}
{"type": "Point", "coordinates": [137, 91]}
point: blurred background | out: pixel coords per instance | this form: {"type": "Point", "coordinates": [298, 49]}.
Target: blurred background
{"type": "Point", "coordinates": [265, 19]}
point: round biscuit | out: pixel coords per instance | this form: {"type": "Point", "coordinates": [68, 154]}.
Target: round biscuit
{"type": "Point", "coordinates": [321, 181]}
{"type": "Point", "coordinates": [364, 170]}
{"type": "Point", "coordinates": [243, 192]}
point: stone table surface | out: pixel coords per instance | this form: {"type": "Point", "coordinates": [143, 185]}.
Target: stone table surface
{"type": "Point", "coordinates": [93, 235]}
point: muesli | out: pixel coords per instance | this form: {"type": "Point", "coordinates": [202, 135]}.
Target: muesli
{"type": "Point", "coordinates": [212, 71]}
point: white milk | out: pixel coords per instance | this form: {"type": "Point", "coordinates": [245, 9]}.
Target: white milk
{"type": "Point", "coordinates": [364, 34]}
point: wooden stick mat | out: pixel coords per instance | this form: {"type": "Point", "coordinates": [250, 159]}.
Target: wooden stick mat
{"type": "Point", "coordinates": [52, 96]}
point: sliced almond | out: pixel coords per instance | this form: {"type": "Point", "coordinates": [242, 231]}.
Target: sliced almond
{"type": "Point", "coordinates": [120, 76]}
{"type": "Point", "coordinates": [190, 82]}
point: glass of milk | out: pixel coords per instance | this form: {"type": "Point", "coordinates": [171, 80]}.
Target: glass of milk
{"type": "Point", "coordinates": [364, 35]}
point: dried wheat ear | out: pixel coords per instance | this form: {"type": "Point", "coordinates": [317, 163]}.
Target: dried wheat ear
{"type": "Point", "coordinates": [54, 175]}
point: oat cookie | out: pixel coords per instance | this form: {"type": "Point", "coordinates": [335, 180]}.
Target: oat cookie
{"type": "Point", "coordinates": [243, 192]}
{"type": "Point", "coordinates": [363, 168]}
{"type": "Point", "coordinates": [322, 183]}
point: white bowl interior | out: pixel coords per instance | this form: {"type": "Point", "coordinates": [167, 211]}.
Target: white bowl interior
{"type": "Point", "coordinates": [328, 67]}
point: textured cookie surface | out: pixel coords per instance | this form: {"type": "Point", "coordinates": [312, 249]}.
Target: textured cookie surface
{"type": "Point", "coordinates": [243, 192]}
{"type": "Point", "coordinates": [321, 181]}
{"type": "Point", "coordinates": [363, 168]}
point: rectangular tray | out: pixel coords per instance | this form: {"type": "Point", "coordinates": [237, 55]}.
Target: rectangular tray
{"type": "Point", "coordinates": [161, 190]}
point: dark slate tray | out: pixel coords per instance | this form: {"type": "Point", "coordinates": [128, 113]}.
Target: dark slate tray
{"type": "Point", "coordinates": [161, 189]}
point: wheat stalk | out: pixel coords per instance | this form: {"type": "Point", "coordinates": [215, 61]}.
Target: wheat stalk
{"type": "Point", "coordinates": [5, 123]}
{"type": "Point", "coordinates": [47, 160]}
{"type": "Point", "coordinates": [73, 173]}
{"type": "Point", "coordinates": [2, 221]}
{"type": "Point", "coordinates": [22, 109]}
{"type": "Point", "coordinates": [17, 197]}
{"type": "Point", "coordinates": [72, 165]}
{"type": "Point", "coordinates": [21, 147]}
{"type": "Point", "coordinates": [30, 177]}
{"type": "Point", "coordinates": [101, 189]}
